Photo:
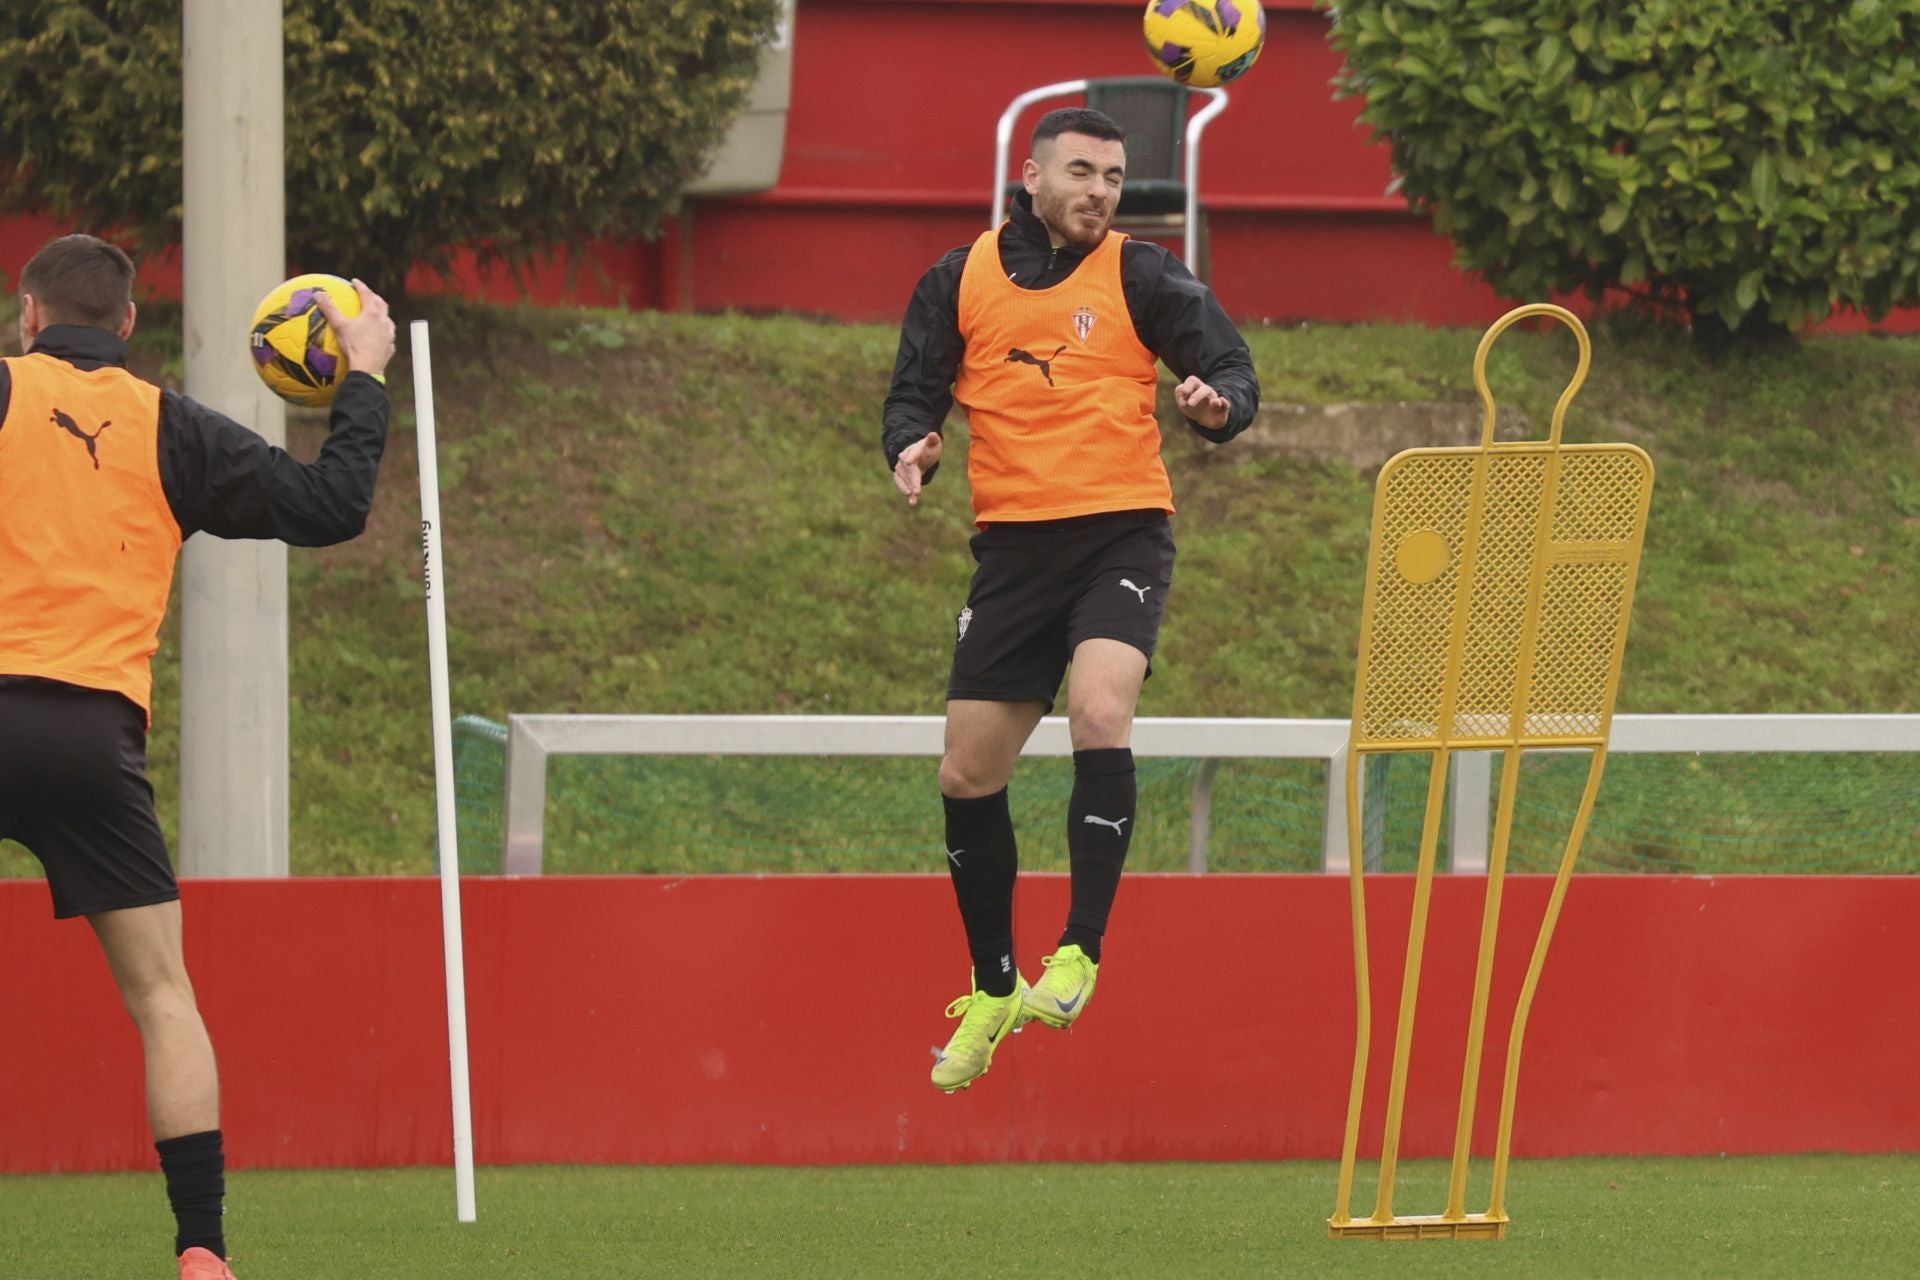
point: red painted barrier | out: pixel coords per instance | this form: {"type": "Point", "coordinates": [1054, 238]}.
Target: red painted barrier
{"type": "Point", "coordinates": [785, 1020]}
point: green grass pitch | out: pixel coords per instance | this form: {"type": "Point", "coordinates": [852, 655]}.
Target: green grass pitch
{"type": "Point", "coordinates": [1741, 1217]}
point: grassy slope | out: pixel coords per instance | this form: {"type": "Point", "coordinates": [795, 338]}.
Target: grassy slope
{"type": "Point", "coordinates": [1767, 1217]}
{"type": "Point", "coordinates": [670, 514]}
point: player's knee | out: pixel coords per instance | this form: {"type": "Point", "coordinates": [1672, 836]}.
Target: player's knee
{"type": "Point", "coordinates": [160, 1001]}
{"type": "Point", "coordinates": [966, 779]}
{"type": "Point", "coordinates": [1101, 724]}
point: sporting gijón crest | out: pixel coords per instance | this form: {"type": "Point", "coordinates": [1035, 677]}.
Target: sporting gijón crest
{"type": "Point", "coordinates": [1083, 319]}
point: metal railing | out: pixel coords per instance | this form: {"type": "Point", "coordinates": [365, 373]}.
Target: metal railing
{"type": "Point", "coordinates": [533, 739]}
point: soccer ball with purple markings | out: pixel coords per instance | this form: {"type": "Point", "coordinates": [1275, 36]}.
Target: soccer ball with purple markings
{"type": "Point", "coordinates": [1204, 43]}
{"type": "Point", "coordinates": [293, 346]}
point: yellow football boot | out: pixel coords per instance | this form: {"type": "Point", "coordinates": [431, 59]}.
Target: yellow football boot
{"type": "Point", "coordinates": [1064, 989]}
{"type": "Point", "coordinates": [984, 1022]}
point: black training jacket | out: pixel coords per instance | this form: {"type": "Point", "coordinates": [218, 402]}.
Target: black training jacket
{"type": "Point", "coordinates": [222, 478]}
{"type": "Point", "coordinates": [1176, 317]}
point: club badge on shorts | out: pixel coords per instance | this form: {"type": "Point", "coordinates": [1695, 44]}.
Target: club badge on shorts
{"type": "Point", "coordinates": [960, 623]}
{"type": "Point", "coordinates": [1083, 319]}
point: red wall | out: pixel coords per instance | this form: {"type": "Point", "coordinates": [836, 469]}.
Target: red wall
{"type": "Point", "coordinates": [888, 166]}
{"type": "Point", "coordinates": [787, 1020]}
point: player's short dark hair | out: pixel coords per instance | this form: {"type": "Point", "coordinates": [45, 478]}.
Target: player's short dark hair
{"type": "Point", "coordinates": [1083, 120]}
{"type": "Point", "coordinates": [82, 280]}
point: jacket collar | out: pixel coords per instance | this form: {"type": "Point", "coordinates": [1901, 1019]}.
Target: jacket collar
{"type": "Point", "coordinates": [82, 346]}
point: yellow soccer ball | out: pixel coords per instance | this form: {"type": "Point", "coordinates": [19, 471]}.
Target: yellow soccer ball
{"type": "Point", "coordinates": [293, 346]}
{"type": "Point", "coordinates": [1204, 43]}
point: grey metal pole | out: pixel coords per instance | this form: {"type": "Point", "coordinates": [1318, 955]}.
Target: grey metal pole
{"type": "Point", "coordinates": [233, 667]}
{"type": "Point", "coordinates": [1373, 810]}
{"type": "Point", "coordinates": [1200, 825]}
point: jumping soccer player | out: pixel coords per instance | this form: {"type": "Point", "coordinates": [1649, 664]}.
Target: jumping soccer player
{"type": "Point", "coordinates": [1046, 329]}
{"type": "Point", "coordinates": [91, 520]}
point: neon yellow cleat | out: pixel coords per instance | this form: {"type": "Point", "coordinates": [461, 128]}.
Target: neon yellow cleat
{"type": "Point", "coordinates": [984, 1022]}
{"type": "Point", "coordinates": [1064, 990]}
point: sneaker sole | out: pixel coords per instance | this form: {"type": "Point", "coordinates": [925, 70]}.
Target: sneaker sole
{"type": "Point", "coordinates": [1054, 1020]}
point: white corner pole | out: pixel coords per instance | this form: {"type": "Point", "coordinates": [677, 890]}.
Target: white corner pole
{"type": "Point", "coordinates": [233, 595]}
{"type": "Point", "coordinates": [434, 575]}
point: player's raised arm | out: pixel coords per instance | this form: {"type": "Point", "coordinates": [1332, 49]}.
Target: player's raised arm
{"type": "Point", "coordinates": [224, 479]}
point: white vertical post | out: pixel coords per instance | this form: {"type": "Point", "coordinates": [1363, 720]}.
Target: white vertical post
{"type": "Point", "coordinates": [1201, 823]}
{"type": "Point", "coordinates": [233, 595]}
{"type": "Point", "coordinates": [526, 818]}
{"type": "Point", "coordinates": [1335, 857]}
{"type": "Point", "coordinates": [434, 574]}
{"type": "Point", "coordinates": [1472, 789]}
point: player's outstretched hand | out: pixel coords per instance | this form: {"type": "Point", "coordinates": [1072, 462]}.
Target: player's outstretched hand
{"type": "Point", "coordinates": [366, 339]}
{"type": "Point", "coordinates": [1202, 404]}
{"type": "Point", "coordinates": [915, 461]}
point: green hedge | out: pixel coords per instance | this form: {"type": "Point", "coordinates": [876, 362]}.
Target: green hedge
{"type": "Point", "coordinates": [412, 126]}
{"type": "Point", "coordinates": [1752, 160]}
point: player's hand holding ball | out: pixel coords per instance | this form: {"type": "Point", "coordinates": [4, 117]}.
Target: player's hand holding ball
{"type": "Point", "coordinates": [366, 336]}
{"type": "Point", "coordinates": [311, 331]}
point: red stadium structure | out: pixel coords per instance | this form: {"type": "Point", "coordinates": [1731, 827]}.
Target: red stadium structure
{"type": "Point", "coordinates": [888, 165]}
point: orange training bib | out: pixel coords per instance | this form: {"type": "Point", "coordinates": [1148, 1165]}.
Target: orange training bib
{"type": "Point", "coordinates": [1059, 393]}
{"type": "Point", "coordinates": [87, 540]}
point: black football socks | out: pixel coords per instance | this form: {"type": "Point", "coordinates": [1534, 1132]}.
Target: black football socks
{"type": "Point", "coordinates": [196, 1170]}
{"type": "Point", "coordinates": [1099, 827]}
{"type": "Point", "coordinates": [982, 858]}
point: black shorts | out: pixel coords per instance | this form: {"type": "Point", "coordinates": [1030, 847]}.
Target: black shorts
{"type": "Point", "coordinates": [74, 791]}
{"type": "Point", "coordinates": [1043, 587]}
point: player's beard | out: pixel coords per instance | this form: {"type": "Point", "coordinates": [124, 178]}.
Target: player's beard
{"type": "Point", "coordinates": [1064, 216]}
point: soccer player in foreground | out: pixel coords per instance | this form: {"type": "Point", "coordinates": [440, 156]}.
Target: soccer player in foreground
{"type": "Point", "coordinates": [1046, 330]}
{"type": "Point", "coordinates": [102, 475]}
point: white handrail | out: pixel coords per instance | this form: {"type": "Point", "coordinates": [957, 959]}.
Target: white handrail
{"type": "Point", "coordinates": [531, 739]}
{"type": "Point", "coordinates": [1195, 127]}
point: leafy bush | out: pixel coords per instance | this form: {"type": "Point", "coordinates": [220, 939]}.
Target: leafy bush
{"type": "Point", "coordinates": [1751, 161]}
{"type": "Point", "coordinates": [412, 126]}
